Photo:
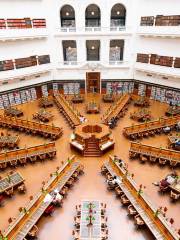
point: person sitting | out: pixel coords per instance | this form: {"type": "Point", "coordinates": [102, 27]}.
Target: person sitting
{"type": "Point", "coordinates": [166, 129]}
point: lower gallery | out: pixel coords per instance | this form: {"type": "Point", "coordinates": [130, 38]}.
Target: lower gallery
{"type": "Point", "coordinates": [97, 184]}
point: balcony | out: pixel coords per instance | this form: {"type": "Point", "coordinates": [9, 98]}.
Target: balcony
{"type": "Point", "coordinates": [158, 70]}
{"type": "Point", "coordinates": [16, 34]}
{"type": "Point", "coordinates": [160, 31]}
{"type": "Point", "coordinates": [24, 72]}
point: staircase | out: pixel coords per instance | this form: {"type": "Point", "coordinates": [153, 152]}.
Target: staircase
{"type": "Point", "coordinates": [92, 149]}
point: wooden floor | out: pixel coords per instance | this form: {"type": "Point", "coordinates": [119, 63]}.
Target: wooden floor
{"type": "Point", "coordinates": [92, 184]}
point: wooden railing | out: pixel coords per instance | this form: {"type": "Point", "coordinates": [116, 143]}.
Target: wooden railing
{"type": "Point", "coordinates": [66, 109]}
{"type": "Point", "coordinates": [30, 127]}
{"type": "Point", "coordinates": [157, 224]}
{"type": "Point", "coordinates": [31, 154]}
{"type": "Point", "coordinates": [138, 150]}
{"type": "Point", "coordinates": [116, 108]}
{"type": "Point", "coordinates": [24, 222]}
{"type": "Point", "coordinates": [151, 126]}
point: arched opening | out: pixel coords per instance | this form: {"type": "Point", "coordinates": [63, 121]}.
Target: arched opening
{"type": "Point", "coordinates": [67, 15]}
{"type": "Point", "coordinates": [69, 51]}
{"type": "Point", "coordinates": [93, 16]}
{"type": "Point", "coordinates": [116, 51]}
{"type": "Point", "coordinates": [118, 15]}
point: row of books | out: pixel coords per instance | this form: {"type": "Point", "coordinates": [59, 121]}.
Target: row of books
{"type": "Point", "coordinates": [20, 23]}
{"type": "Point", "coordinates": [17, 97]}
{"type": "Point", "coordinates": [119, 87]}
{"type": "Point", "coordinates": [160, 20]}
{"type": "Point", "coordinates": [158, 60]}
{"type": "Point", "coordinates": [24, 62]}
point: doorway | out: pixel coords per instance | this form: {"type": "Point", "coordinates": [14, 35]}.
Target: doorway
{"type": "Point", "coordinates": [93, 82]}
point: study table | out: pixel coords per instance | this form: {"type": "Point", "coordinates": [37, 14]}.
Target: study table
{"type": "Point", "coordinates": [9, 141]}
{"type": "Point", "coordinates": [13, 112]}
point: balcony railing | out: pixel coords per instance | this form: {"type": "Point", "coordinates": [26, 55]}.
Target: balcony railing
{"type": "Point", "coordinates": [92, 29]}
{"type": "Point", "coordinates": [70, 63]}
{"type": "Point", "coordinates": [117, 28]}
{"type": "Point", "coordinates": [8, 34]}
{"type": "Point", "coordinates": [167, 31]}
{"type": "Point", "coordinates": [68, 29]}
{"type": "Point", "coordinates": [116, 62]}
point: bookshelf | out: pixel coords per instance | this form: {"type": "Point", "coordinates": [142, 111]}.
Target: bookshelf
{"type": "Point", "coordinates": [177, 63]}
{"type": "Point", "coordinates": [143, 58]}
{"type": "Point", "coordinates": [6, 65]}
{"type": "Point", "coordinates": [39, 23]}
{"type": "Point", "coordinates": [25, 62]}
{"type": "Point", "coordinates": [162, 20]}
{"type": "Point", "coordinates": [43, 59]}
{"type": "Point", "coordinates": [19, 23]}
{"type": "Point", "coordinates": [2, 23]}
{"type": "Point", "coordinates": [147, 21]}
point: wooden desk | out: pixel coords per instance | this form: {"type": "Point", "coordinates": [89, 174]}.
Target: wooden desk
{"type": "Point", "coordinates": [176, 186]}
{"type": "Point", "coordinates": [142, 115]}
{"type": "Point", "coordinates": [24, 155]}
{"type": "Point", "coordinates": [155, 126]}
{"type": "Point", "coordinates": [117, 109]}
{"type": "Point", "coordinates": [142, 102]}
{"type": "Point", "coordinates": [173, 111]}
{"type": "Point", "coordinates": [45, 102]}
{"type": "Point", "coordinates": [30, 127]}
{"type": "Point", "coordinates": [137, 150]}
{"type": "Point", "coordinates": [93, 231]}
{"type": "Point", "coordinates": [172, 141]}
{"type": "Point", "coordinates": [77, 99]}
{"type": "Point", "coordinates": [11, 181]}
{"type": "Point", "coordinates": [9, 141]}
{"type": "Point", "coordinates": [108, 98]}
{"type": "Point", "coordinates": [24, 222]}
{"type": "Point", "coordinates": [43, 116]}
{"type": "Point", "coordinates": [158, 225]}
{"type": "Point", "coordinates": [13, 112]}
{"type": "Point", "coordinates": [66, 109]}
{"type": "Point", "coordinates": [92, 107]}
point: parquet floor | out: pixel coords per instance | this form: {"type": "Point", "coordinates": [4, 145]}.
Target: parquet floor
{"type": "Point", "coordinates": [91, 185]}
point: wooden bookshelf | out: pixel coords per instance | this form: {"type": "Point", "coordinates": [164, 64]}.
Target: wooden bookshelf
{"type": "Point", "coordinates": [177, 63]}
{"type": "Point", "coordinates": [2, 23]}
{"type": "Point", "coordinates": [143, 58]}
{"type": "Point", "coordinates": [162, 20]}
{"type": "Point", "coordinates": [14, 23]}
{"type": "Point", "coordinates": [26, 62]}
{"type": "Point", "coordinates": [39, 23]}
{"type": "Point", "coordinates": [147, 21]}
{"type": "Point", "coordinates": [43, 59]}
{"type": "Point", "coordinates": [6, 65]}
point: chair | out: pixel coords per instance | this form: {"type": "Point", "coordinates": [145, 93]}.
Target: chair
{"type": "Point", "coordinates": [162, 161]}
{"type": "Point", "coordinates": [131, 210]}
{"type": "Point", "coordinates": [175, 196]}
{"type": "Point", "coordinates": [76, 235]}
{"type": "Point", "coordinates": [138, 220]}
{"type": "Point", "coordinates": [124, 200]}
{"type": "Point", "coordinates": [22, 188]}
{"type": "Point", "coordinates": [118, 191]}
{"type": "Point", "coordinates": [143, 159]}
{"type": "Point", "coordinates": [173, 163]}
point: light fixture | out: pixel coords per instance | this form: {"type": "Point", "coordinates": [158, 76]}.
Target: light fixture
{"type": "Point", "coordinates": [118, 12]}
{"type": "Point", "coordinates": [67, 13]}
{"type": "Point", "coordinates": [69, 48]}
{"type": "Point", "coordinates": [92, 13]}
{"type": "Point", "coordinates": [116, 47]}
{"type": "Point", "coordinates": [92, 47]}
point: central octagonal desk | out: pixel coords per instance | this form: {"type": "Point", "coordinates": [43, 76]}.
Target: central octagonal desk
{"type": "Point", "coordinates": [92, 139]}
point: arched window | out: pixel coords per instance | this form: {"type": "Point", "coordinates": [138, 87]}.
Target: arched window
{"type": "Point", "coordinates": [67, 15]}
{"type": "Point", "coordinates": [118, 15]}
{"type": "Point", "coordinates": [93, 16]}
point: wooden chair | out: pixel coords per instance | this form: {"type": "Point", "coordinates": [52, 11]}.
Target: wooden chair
{"type": "Point", "coordinates": [76, 235]}
{"type": "Point", "coordinates": [173, 163]}
{"type": "Point", "coordinates": [124, 200]}
{"type": "Point", "coordinates": [22, 188]}
{"type": "Point", "coordinates": [9, 192]}
{"type": "Point", "coordinates": [118, 191]}
{"type": "Point", "coordinates": [131, 210]}
{"type": "Point", "coordinates": [162, 161]}
{"type": "Point", "coordinates": [143, 158]}
{"type": "Point", "coordinates": [139, 221]}
{"type": "Point", "coordinates": [175, 196]}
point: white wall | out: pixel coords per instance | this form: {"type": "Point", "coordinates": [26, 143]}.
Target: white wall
{"type": "Point", "coordinates": [53, 44]}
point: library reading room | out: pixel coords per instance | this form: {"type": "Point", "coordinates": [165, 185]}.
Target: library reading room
{"type": "Point", "coordinates": [89, 120]}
